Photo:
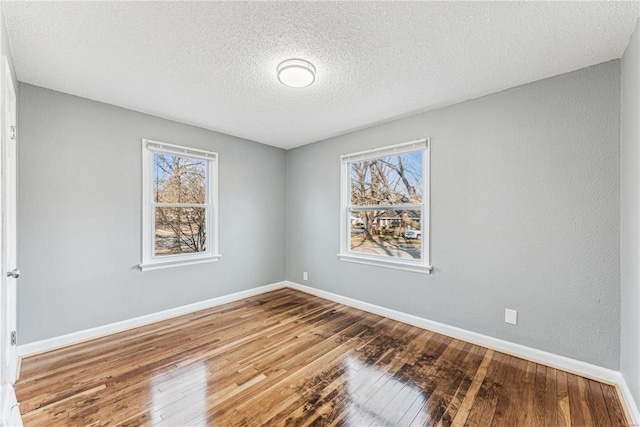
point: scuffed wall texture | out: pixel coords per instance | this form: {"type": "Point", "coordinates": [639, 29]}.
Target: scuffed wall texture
{"type": "Point", "coordinates": [79, 204]}
{"type": "Point", "coordinates": [525, 215]}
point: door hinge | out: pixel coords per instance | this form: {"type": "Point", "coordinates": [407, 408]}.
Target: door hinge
{"type": "Point", "coordinates": [14, 338]}
{"type": "Point", "coordinates": [13, 133]}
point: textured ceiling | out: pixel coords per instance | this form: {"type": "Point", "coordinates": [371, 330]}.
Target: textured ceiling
{"type": "Point", "coordinates": [212, 64]}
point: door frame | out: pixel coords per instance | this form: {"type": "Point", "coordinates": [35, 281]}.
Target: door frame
{"type": "Point", "coordinates": [9, 409]}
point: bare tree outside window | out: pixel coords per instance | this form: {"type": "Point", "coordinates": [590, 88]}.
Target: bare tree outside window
{"type": "Point", "coordinates": [180, 198]}
{"type": "Point", "coordinates": [386, 200]}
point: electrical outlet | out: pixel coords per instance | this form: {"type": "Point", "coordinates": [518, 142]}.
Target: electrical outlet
{"type": "Point", "coordinates": [511, 316]}
{"type": "Point", "coordinates": [305, 276]}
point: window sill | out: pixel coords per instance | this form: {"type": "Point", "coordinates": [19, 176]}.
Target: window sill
{"type": "Point", "coordinates": [156, 265]}
{"type": "Point", "coordinates": [398, 265]}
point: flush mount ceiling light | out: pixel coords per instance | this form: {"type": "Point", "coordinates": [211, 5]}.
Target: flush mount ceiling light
{"type": "Point", "coordinates": [296, 73]}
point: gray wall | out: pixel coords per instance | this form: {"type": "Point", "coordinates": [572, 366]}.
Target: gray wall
{"type": "Point", "coordinates": [80, 216]}
{"type": "Point", "coordinates": [525, 215]}
{"type": "Point", "coordinates": [630, 216]}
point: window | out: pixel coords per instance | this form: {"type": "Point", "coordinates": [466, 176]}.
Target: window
{"type": "Point", "coordinates": [179, 214]}
{"type": "Point", "coordinates": [384, 209]}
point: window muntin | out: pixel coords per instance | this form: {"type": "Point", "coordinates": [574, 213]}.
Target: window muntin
{"type": "Point", "coordinates": [179, 208]}
{"type": "Point", "coordinates": [385, 216]}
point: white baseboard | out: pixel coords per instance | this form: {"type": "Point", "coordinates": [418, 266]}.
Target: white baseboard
{"type": "Point", "coordinates": [49, 344]}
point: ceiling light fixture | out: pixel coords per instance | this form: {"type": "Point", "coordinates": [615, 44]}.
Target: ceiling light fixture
{"type": "Point", "coordinates": [296, 73]}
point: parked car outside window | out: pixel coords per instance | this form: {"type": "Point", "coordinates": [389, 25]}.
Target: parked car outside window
{"type": "Point", "coordinates": [413, 234]}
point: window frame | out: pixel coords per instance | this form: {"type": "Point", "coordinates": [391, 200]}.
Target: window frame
{"type": "Point", "coordinates": [346, 254]}
{"type": "Point", "coordinates": [149, 260]}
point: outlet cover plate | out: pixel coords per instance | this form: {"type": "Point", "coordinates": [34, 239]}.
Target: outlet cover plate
{"type": "Point", "coordinates": [511, 316]}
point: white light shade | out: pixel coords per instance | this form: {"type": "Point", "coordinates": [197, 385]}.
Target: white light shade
{"type": "Point", "coordinates": [296, 73]}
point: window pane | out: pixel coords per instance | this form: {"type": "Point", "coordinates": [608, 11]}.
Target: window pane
{"type": "Point", "coordinates": [388, 180]}
{"type": "Point", "coordinates": [388, 233]}
{"type": "Point", "coordinates": [179, 179]}
{"type": "Point", "coordinates": [180, 230]}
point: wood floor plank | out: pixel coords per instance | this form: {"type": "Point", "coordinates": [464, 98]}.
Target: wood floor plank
{"type": "Point", "coordinates": [486, 400]}
{"type": "Point", "coordinates": [507, 393]}
{"type": "Point", "coordinates": [463, 413]}
{"type": "Point", "coordinates": [550, 398]}
{"type": "Point", "coordinates": [577, 401]}
{"type": "Point", "coordinates": [447, 382]}
{"type": "Point", "coordinates": [539, 395]}
{"type": "Point", "coordinates": [423, 379]}
{"type": "Point", "coordinates": [516, 394]}
{"type": "Point", "coordinates": [527, 396]}
{"type": "Point", "coordinates": [616, 412]}
{"type": "Point", "coordinates": [564, 408]}
{"type": "Point", "coordinates": [596, 403]}
{"type": "Point", "coordinates": [288, 358]}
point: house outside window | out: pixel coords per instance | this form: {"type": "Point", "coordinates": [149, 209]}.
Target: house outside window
{"type": "Point", "coordinates": [179, 205]}
{"type": "Point", "coordinates": [385, 207]}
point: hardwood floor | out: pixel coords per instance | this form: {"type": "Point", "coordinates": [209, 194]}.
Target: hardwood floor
{"type": "Point", "coordinates": [287, 358]}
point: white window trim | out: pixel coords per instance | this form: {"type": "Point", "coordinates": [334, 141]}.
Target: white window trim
{"type": "Point", "coordinates": [149, 261]}
{"type": "Point", "coordinates": [418, 266]}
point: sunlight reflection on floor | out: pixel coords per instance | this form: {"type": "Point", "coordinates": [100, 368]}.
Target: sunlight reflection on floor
{"type": "Point", "coordinates": [179, 395]}
{"type": "Point", "coordinates": [370, 389]}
